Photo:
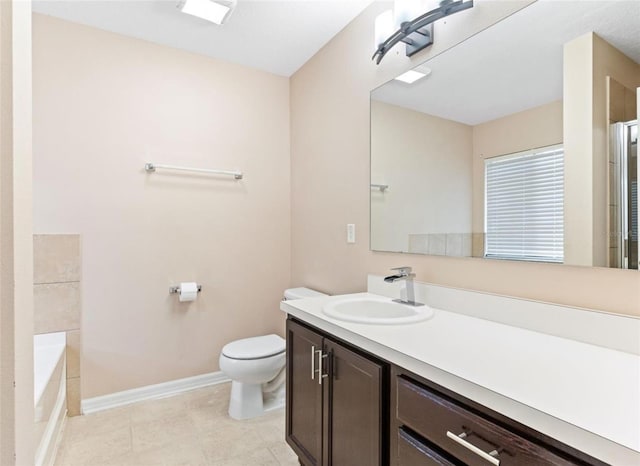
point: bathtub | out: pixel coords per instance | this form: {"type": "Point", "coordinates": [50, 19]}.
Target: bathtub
{"type": "Point", "coordinates": [49, 394]}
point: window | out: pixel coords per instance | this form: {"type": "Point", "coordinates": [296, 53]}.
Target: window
{"type": "Point", "coordinates": [524, 212]}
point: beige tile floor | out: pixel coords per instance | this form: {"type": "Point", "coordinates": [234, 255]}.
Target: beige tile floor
{"type": "Point", "coordinates": [189, 429]}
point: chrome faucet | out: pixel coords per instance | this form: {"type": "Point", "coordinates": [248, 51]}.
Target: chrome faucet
{"type": "Point", "coordinates": [404, 273]}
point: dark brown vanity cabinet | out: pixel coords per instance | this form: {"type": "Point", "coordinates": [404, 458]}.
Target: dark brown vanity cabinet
{"type": "Point", "coordinates": [429, 428]}
{"type": "Point", "coordinates": [346, 407]}
{"type": "Point", "coordinates": [335, 395]}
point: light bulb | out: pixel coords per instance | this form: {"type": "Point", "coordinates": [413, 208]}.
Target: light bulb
{"type": "Point", "coordinates": [383, 27]}
{"type": "Point", "coordinates": [406, 10]}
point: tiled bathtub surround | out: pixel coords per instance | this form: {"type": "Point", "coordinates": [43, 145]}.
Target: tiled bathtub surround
{"type": "Point", "coordinates": [442, 244]}
{"type": "Point", "coordinates": [57, 300]}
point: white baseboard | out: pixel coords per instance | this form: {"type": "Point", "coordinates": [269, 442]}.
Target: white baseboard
{"type": "Point", "coordinates": [151, 392]}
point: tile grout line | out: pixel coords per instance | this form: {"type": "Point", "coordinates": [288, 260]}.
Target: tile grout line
{"type": "Point", "coordinates": [56, 283]}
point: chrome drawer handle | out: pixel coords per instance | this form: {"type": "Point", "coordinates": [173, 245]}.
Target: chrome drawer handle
{"type": "Point", "coordinates": [484, 455]}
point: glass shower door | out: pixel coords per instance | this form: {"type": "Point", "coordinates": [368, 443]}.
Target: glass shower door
{"type": "Point", "coordinates": [625, 249]}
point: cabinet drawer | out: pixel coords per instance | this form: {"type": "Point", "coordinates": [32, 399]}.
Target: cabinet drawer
{"type": "Point", "coordinates": [467, 436]}
{"type": "Point", "coordinates": [413, 452]}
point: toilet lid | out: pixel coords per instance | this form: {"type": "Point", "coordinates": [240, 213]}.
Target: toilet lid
{"type": "Point", "coordinates": [255, 347]}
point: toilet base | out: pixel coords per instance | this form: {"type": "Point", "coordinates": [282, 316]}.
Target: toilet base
{"type": "Point", "coordinates": [248, 400]}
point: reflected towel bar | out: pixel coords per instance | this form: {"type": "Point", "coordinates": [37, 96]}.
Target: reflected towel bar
{"type": "Point", "coordinates": [151, 167]}
{"type": "Point", "coordinates": [381, 187]}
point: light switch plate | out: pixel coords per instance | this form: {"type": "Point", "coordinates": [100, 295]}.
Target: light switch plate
{"type": "Point", "coordinates": [351, 233]}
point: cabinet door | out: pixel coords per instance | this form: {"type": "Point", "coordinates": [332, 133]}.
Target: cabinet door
{"type": "Point", "coordinates": [304, 394]}
{"type": "Point", "coordinates": [354, 416]}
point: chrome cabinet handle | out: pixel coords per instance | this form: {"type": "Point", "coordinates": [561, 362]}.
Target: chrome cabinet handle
{"type": "Point", "coordinates": [313, 362]}
{"type": "Point", "coordinates": [490, 457]}
{"type": "Point", "coordinates": [321, 356]}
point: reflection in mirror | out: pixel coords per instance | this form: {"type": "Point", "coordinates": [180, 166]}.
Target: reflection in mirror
{"type": "Point", "coordinates": [519, 143]}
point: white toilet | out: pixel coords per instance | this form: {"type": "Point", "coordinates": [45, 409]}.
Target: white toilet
{"type": "Point", "coordinates": [256, 367]}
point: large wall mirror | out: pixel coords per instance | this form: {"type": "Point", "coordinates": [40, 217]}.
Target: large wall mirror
{"type": "Point", "coordinates": [519, 143]}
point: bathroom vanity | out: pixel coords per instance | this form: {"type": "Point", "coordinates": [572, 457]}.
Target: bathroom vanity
{"type": "Point", "coordinates": [419, 394]}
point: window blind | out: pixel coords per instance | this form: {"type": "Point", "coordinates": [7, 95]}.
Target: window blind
{"type": "Point", "coordinates": [524, 205]}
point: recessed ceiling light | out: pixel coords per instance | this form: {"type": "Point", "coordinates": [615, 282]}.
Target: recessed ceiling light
{"type": "Point", "coordinates": [216, 11]}
{"type": "Point", "coordinates": [412, 76]}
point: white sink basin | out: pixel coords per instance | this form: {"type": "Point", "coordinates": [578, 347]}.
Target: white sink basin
{"type": "Point", "coordinates": [374, 310]}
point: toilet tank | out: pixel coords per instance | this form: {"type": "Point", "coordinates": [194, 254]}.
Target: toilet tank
{"type": "Point", "coordinates": [300, 293]}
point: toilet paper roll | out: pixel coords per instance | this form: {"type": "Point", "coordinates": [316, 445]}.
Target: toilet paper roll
{"type": "Point", "coordinates": [188, 291]}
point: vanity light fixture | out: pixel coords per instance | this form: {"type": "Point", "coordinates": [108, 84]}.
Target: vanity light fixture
{"type": "Point", "coordinates": [216, 11]}
{"type": "Point", "coordinates": [417, 33]}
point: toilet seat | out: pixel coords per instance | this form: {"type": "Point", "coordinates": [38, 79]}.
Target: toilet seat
{"type": "Point", "coordinates": [255, 348]}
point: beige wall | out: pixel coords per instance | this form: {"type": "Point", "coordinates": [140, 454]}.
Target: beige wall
{"type": "Point", "coordinates": [530, 129]}
{"type": "Point", "coordinates": [104, 105]}
{"type": "Point", "coordinates": [621, 102]}
{"type": "Point", "coordinates": [330, 182]}
{"type": "Point", "coordinates": [16, 248]}
{"type": "Point", "coordinates": [578, 131]}
{"type": "Point", "coordinates": [426, 161]}
{"type": "Point", "coordinates": [588, 60]}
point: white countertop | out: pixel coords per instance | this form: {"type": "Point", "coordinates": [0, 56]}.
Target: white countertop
{"type": "Point", "coordinates": [584, 395]}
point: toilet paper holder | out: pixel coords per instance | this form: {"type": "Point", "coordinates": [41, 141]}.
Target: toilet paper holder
{"type": "Point", "coordinates": [176, 289]}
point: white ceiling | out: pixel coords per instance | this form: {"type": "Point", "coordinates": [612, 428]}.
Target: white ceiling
{"type": "Point", "coordinates": [516, 64]}
{"type": "Point", "coordinates": [273, 36]}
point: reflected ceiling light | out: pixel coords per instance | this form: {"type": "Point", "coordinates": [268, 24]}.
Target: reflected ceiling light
{"type": "Point", "coordinates": [413, 75]}
{"type": "Point", "coordinates": [416, 33]}
{"type": "Point", "coordinates": [216, 11]}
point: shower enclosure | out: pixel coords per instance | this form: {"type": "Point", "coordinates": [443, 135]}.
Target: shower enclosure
{"type": "Point", "coordinates": [624, 250]}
